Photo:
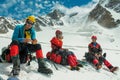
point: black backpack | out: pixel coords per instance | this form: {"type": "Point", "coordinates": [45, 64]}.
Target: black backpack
{"type": "Point", "coordinates": [5, 56]}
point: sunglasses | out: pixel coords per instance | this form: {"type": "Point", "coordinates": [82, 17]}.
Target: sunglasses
{"type": "Point", "coordinates": [28, 22]}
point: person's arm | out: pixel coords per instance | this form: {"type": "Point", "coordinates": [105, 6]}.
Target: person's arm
{"type": "Point", "coordinates": [100, 50]}
{"type": "Point", "coordinates": [33, 36]}
{"type": "Point", "coordinates": [16, 34]}
{"type": "Point", "coordinates": [56, 44]}
{"type": "Point", "coordinates": [89, 48]}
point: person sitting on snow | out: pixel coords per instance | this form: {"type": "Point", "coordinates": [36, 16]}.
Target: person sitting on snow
{"type": "Point", "coordinates": [24, 38]}
{"type": "Point", "coordinates": [95, 56]}
{"type": "Point", "coordinates": [60, 55]}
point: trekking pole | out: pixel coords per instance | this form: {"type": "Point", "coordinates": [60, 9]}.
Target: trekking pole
{"type": "Point", "coordinates": [54, 65]}
{"type": "Point", "coordinates": [1, 59]}
{"type": "Point", "coordinates": [29, 57]}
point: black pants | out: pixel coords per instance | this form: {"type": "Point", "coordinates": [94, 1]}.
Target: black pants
{"type": "Point", "coordinates": [90, 57]}
{"type": "Point", "coordinates": [25, 48]}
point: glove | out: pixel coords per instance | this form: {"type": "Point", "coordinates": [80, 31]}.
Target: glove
{"type": "Point", "coordinates": [66, 50]}
{"type": "Point", "coordinates": [34, 41]}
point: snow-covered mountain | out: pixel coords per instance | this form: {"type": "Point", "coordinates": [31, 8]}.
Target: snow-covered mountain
{"type": "Point", "coordinates": [50, 19]}
{"type": "Point", "coordinates": [111, 4]}
{"type": "Point", "coordinates": [6, 23]}
{"type": "Point", "coordinates": [19, 9]}
{"type": "Point", "coordinates": [106, 13]}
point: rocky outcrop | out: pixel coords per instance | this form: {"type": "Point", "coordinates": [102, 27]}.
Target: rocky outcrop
{"type": "Point", "coordinates": [103, 17]}
{"type": "Point", "coordinates": [7, 23]}
{"type": "Point", "coordinates": [55, 18]}
{"type": "Point", "coordinates": [114, 4]}
{"type": "Point", "coordinates": [56, 14]}
{"type": "Point", "coordinates": [51, 19]}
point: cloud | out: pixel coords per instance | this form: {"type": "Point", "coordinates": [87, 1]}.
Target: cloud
{"type": "Point", "coordinates": [80, 9]}
{"type": "Point", "coordinates": [38, 5]}
{"type": "Point", "coordinates": [9, 3]}
{"type": "Point", "coordinates": [46, 2]}
{"type": "Point", "coordinates": [95, 0]}
{"type": "Point", "coordinates": [91, 4]}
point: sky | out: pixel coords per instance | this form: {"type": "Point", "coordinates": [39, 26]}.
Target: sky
{"type": "Point", "coordinates": [19, 9]}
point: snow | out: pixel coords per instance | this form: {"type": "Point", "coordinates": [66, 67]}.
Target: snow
{"type": "Point", "coordinates": [114, 14]}
{"type": "Point", "coordinates": [76, 42]}
{"type": "Point", "coordinates": [77, 35]}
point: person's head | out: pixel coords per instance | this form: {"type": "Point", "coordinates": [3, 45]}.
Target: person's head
{"type": "Point", "coordinates": [58, 34]}
{"type": "Point", "coordinates": [29, 22]}
{"type": "Point", "coordinates": [94, 38]}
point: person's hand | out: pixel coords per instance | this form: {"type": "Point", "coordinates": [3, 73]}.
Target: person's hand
{"type": "Point", "coordinates": [34, 41]}
{"type": "Point", "coordinates": [97, 55]}
{"type": "Point", "coordinates": [66, 50]}
{"type": "Point", "coordinates": [27, 40]}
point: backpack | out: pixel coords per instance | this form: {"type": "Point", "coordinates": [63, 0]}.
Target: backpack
{"type": "Point", "coordinates": [23, 55]}
{"type": "Point", "coordinates": [6, 54]}
{"type": "Point", "coordinates": [62, 57]}
{"type": "Point", "coordinates": [54, 57]}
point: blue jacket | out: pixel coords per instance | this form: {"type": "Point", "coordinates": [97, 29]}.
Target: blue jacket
{"type": "Point", "coordinates": [18, 33]}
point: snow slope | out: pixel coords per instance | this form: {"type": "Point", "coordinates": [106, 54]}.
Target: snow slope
{"type": "Point", "coordinates": [75, 39]}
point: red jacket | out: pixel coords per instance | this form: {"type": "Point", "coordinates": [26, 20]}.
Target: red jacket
{"type": "Point", "coordinates": [56, 43]}
{"type": "Point", "coordinates": [94, 48]}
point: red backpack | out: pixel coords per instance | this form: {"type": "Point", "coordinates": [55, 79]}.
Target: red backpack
{"type": "Point", "coordinates": [54, 57]}
{"type": "Point", "coordinates": [63, 59]}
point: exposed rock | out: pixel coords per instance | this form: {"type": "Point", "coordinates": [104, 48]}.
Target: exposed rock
{"type": "Point", "coordinates": [6, 23]}
{"type": "Point", "coordinates": [48, 20]}
{"type": "Point", "coordinates": [114, 4]}
{"type": "Point", "coordinates": [73, 14]}
{"type": "Point", "coordinates": [103, 17]}
{"type": "Point", "coordinates": [56, 14]}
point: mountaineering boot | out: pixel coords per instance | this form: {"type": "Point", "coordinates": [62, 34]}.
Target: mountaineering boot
{"type": "Point", "coordinates": [98, 66]}
{"type": "Point", "coordinates": [104, 55]}
{"type": "Point", "coordinates": [75, 68]}
{"type": "Point", "coordinates": [79, 65]}
{"type": "Point", "coordinates": [42, 67]}
{"type": "Point", "coordinates": [113, 69]}
{"type": "Point", "coordinates": [16, 65]}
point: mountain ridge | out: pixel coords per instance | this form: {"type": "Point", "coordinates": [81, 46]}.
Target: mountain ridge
{"type": "Point", "coordinates": [101, 13]}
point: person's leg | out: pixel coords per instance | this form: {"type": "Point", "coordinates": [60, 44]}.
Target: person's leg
{"type": "Point", "coordinates": [77, 64]}
{"type": "Point", "coordinates": [14, 53]}
{"type": "Point", "coordinates": [89, 57]}
{"type": "Point", "coordinates": [96, 62]}
{"type": "Point", "coordinates": [63, 55]}
{"type": "Point", "coordinates": [110, 66]}
{"type": "Point", "coordinates": [39, 55]}
{"type": "Point", "coordinates": [23, 53]}
{"type": "Point", "coordinates": [72, 60]}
